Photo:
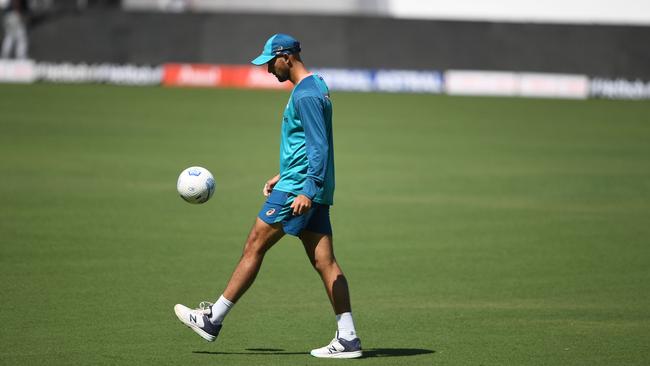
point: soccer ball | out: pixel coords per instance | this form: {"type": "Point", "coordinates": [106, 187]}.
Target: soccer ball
{"type": "Point", "coordinates": [195, 184]}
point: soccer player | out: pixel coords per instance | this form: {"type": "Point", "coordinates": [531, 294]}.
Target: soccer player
{"type": "Point", "coordinates": [298, 202]}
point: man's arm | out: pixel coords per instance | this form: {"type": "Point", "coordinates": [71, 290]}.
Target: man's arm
{"type": "Point", "coordinates": [310, 111]}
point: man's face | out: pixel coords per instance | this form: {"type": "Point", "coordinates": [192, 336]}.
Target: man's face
{"type": "Point", "coordinates": [279, 67]}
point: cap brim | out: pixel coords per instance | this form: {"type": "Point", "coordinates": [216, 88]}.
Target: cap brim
{"type": "Point", "coordinates": [262, 59]}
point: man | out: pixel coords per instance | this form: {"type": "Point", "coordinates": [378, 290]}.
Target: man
{"type": "Point", "coordinates": [15, 29]}
{"type": "Point", "coordinates": [298, 202]}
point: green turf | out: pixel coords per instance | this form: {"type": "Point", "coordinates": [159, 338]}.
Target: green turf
{"type": "Point", "coordinates": [473, 231]}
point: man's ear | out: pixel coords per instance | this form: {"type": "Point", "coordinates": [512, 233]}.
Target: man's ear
{"type": "Point", "coordinates": [287, 59]}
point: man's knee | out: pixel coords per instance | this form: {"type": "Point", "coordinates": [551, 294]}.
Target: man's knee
{"type": "Point", "coordinates": [324, 264]}
{"type": "Point", "coordinates": [260, 239]}
{"type": "Point", "coordinates": [254, 246]}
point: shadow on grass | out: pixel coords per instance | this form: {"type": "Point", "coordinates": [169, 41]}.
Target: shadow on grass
{"type": "Point", "coordinates": [265, 349]}
{"type": "Point", "coordinates": [395, 352]}
{"type": "Point", "coordinates": [367, 353]}
{"type": "Point", "coordinates": [254, 351]}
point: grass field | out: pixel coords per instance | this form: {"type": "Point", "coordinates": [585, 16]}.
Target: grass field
{"type": "Point", "coordinates": [473, 231]}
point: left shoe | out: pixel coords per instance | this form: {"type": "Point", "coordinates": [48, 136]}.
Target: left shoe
{"type": "Point", "coordinates": [339, 348]}
{"type": "Point", "coordinates": [199, 320]}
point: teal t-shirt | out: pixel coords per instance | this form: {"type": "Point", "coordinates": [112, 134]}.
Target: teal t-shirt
{"type": "Point", "coordinates": [306, 144]}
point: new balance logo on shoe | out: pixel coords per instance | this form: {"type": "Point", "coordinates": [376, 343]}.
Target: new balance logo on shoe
{"type": "Point", "coordinates": [190, 317]}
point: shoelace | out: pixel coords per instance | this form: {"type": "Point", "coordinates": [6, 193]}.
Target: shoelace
{"type": "Point", "coordinates": [336, 338]}
{"type": "Point", "coordinates": [205, 307]}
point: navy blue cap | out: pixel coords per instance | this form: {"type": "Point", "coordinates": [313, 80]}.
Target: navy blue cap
{"type": "Point", "coordinates": [276, 45]}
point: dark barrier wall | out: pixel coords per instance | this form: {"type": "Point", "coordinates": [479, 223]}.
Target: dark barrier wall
{"type": "Point", "coordinates": [353, 42]}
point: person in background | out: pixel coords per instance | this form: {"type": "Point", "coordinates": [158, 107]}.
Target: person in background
{"type": "Point", "coordinates": [15, 28]}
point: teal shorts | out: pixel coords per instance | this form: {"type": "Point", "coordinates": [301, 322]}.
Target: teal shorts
{"type": "Point", "coordinates": [277, 208]}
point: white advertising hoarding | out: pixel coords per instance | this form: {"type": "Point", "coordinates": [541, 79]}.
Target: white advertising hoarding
{"type": "Point", "coordinates": [495, 83]}
{"type": "Point", "coordinates": [468, 82]}
{"type": "Point", "coordinates": [17, 71]}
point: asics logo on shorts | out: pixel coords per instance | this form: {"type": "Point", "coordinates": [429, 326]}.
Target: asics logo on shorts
{"type": "Point", "coordinates": [270, 212]}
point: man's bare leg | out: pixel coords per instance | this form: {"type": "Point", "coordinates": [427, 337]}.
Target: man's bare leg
{"type": "Point", "coordinates": [206, 321]}
{"type": "Point", "coordinates": [260, 239]}
{"type": "Point", "coordinates": [320, 250]}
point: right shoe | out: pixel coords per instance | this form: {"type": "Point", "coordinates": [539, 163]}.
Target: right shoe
{"type": "Point", "coordinates": [339, 348]}
{"type": "Point", "coordinates": [199, 320]}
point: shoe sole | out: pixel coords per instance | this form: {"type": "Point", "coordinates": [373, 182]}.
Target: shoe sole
{"type": "Point", "coordinates": [194, 327]}
{"type": "Point", "coordinates": [353, 354]}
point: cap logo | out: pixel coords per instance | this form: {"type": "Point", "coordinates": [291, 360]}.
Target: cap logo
{"type": "Point", "coordinates": [281, 49]}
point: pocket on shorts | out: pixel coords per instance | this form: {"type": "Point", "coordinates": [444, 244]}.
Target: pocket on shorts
{"type": "Point", "coordinates": [275, 208]}
{"type": "Point", "coordinates": [277, 198]}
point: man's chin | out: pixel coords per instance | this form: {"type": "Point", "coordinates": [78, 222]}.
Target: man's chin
{"type": "Point", "coordinates": [281, 79]}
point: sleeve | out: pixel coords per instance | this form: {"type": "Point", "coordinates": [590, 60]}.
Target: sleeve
{"type": "Point", "coordinates": [310, 112]}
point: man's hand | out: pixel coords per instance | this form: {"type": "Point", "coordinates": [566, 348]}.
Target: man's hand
{"type": "Point", "coordinates": [268, 186]}
{"type": "Point", "coordinates": [301, 205]}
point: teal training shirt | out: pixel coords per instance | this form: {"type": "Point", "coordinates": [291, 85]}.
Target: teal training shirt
{"type": "Point", "coordinates": [306, 145]}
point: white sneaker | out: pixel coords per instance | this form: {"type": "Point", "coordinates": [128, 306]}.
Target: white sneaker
{"type": "Point", "coordinates": [199, 320]}
{"type": "Point", "coordinates": [339, 348]}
